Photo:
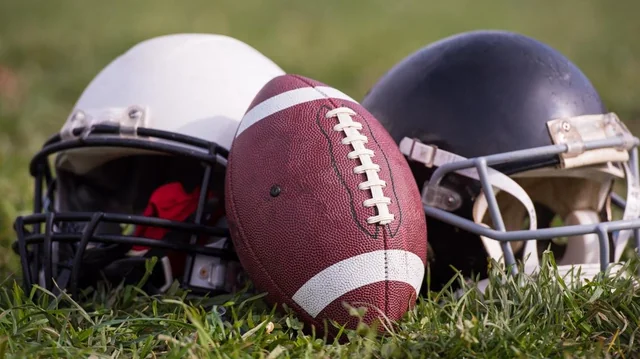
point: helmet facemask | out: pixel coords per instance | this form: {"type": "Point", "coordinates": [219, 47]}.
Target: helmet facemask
{"type": "Point", "coordinates": [112, 207]}
{"type": "Point", "coordinates": [598, 150]}
{"type": "Point", "coordinates": [565, 197]}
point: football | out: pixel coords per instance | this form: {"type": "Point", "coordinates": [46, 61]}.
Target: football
{"type": "Point", "coordinates": [322, 207]}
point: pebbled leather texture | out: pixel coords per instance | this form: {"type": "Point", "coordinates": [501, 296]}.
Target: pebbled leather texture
{"type": "Point", "coordinates": [295, 209]}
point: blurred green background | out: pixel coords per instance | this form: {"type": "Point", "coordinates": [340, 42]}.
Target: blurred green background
{"type": "Point", "coordinates": [50, 50]}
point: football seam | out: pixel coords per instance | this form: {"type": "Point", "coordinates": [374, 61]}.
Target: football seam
{"type": "Point", "coordinates": [391, 233]}
{"type": "Point", "coordinates": [391, 184]}
{"type": "Point", "coordinates": [384, 234]}
{"type": "Point", "coordinates": [349, 125]}
{"type": "Point", "coordinates": [319, 117]}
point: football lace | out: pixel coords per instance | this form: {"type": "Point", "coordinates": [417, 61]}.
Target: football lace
{"type": "Point", "coordinates": [373, 183]}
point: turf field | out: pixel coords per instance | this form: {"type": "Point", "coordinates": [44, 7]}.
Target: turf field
{"type": "Point", "coordinates": [50, 50]}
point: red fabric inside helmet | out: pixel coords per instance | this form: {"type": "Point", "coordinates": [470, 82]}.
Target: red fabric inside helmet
{"type": "Point", "coordinates": [170, 201]}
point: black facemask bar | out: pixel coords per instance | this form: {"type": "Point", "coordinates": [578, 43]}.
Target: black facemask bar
{"type": "Point", "coordinates": [106, 135]}
{"type": "Point", "coordinates": [481, 164]}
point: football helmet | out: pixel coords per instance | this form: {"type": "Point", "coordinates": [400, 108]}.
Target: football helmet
{"type": "Point", "coordinates": [139, 170]}
{"type": "Point", "coordinates": [514, 152]}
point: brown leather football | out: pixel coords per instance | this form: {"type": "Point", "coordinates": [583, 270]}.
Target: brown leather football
{"type": "Point", "coordinates": [322, 206]}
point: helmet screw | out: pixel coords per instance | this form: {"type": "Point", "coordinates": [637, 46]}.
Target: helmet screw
{"type": "Point", "coordinates": [275, 190]}
{"type": "Point", "coordinates": [135, 114]}
{"type": "Point", "coordinates": [566, 126]}
{"type": "Point", "coordinates": [78, 116]}
{"type": "Point", "coordinates": [204, 273]}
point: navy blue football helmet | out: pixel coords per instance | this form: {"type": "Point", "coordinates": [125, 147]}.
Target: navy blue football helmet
{"type": "Point", "coordinates": [506, 137]}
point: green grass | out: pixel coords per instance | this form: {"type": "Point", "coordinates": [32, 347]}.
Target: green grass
{"type": "Point", "coordinates": [542, 318]}
{"type": "Point", "coordinates": [50, 50]}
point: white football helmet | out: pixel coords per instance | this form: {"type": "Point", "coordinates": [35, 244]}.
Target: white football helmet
{"type": "Point", "coordinates": [150, 131]}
